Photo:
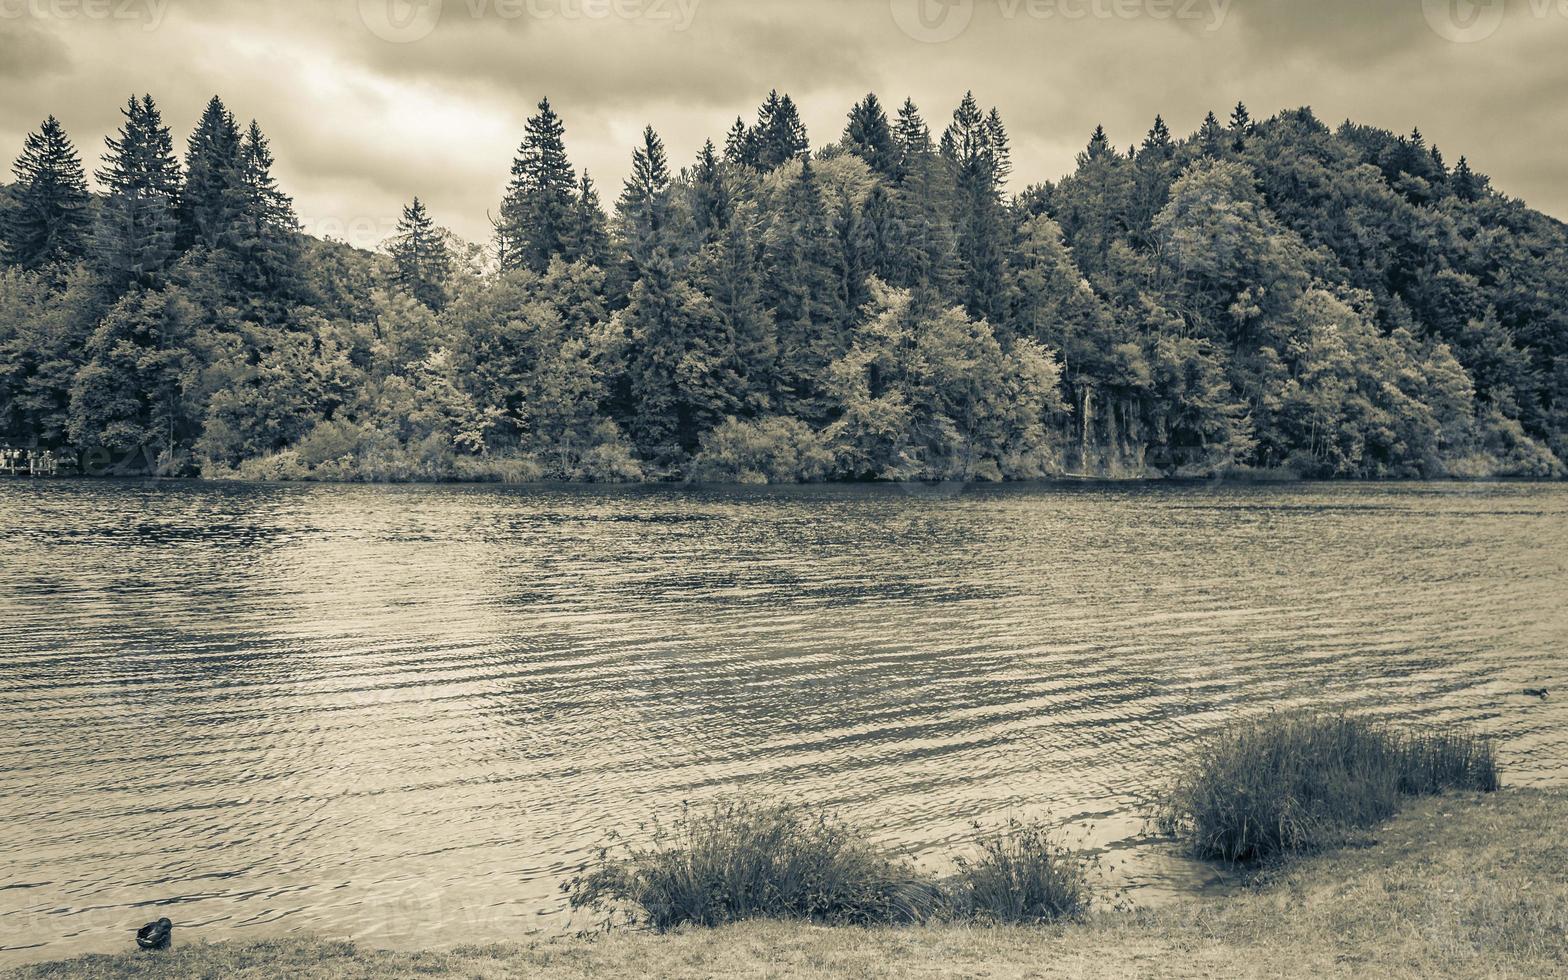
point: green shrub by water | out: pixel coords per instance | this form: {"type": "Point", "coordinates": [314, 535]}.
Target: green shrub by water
{"type": "Point", "coordinates": [741, 859]}
{"type": "Point", "coordinates": [1288, 784]}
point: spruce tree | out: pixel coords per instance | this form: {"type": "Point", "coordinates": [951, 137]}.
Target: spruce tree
{"type": "Point", "coordinates": [643, 209]}
{"type": "Point", "coordinates": [728, 271]}
{"type": "Point", "coordinates": [739, 147]}
{"type": "Point", "coordinates": [1154, 170]}
{"type": "Point", "coordinates": [268, 248]}
{"type": "Point", "coordinates": [1468, 185]}
{"type": "Point", "coordinates": [135, 238]}
{"type": "Point", "coordinates": [47, 221]}
{"type": "Point", "coordinates": [913, 139]}
{"type": "Point", "coordinates": [421, 258]}
{"type": "Point", "coordinates": [678, 366]}
{"type": "Point", "coordinates": [213, 200]}
{"type": "Point", "coordinates": [869, 136]}
{"type": "Point", "coordinates": [1240, 127]}
{"type": "Point", "coordinates": [536, 216]}
{"type": "Point", "coordinates": [590, 237]}
{"type": "Point", "coordinates": [850, 258]}
{"type": "Point", "coordinates": [779, 135]}
{"type": "Point", "coordinates": [1211, 138]}
{"type": "Point", "coordinates": [970, 146]}
{"type": "Point", "coordinates": [800, 289]}
{"type": "Point", "coordinates": [711, 201]}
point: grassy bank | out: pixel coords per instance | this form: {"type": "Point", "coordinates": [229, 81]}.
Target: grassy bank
{"type": "Point", "coordinates": [1455, 886]}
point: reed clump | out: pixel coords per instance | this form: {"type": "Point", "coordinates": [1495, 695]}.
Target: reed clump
{"type": "Point", "coordinates": [742, 859]}
{"type": "Point", "coordinates": [1023, 875]}
{"type": "Point", "coordinates": [1289, 784]}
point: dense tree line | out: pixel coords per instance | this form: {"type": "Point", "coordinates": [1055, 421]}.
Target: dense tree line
{"type": "Point", "coordinates": [1270, 295]}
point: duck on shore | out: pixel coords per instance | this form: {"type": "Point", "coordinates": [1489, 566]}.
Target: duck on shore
{"type": "Point", "coordinates": [155, 935]}
{"type": "Point", "coordinates": [1537, 692]}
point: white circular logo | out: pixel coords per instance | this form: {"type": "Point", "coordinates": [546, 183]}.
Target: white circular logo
{"type": "Point", "coordinates": [933, 21]}
{"type": "Point", "coordinates": [1464, 21]}
{"type": "Point", "coordinates": [400, 21]}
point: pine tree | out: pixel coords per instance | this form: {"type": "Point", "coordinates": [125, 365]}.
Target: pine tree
{"type": "Point", "coordinates": [869, 136]}
{"type": "Point", "coordinates": [421, 257]}
{"type": "Point", "coordinates": [135, 238]}
{"type": "Point", "coordinates": [47, 222]}
{"type": "Point", "coordinates": [1095, 205]}
{"type": "Point", "coordinates": [213, 199]}
{"type": "Point", "coordinates": [537, 213]}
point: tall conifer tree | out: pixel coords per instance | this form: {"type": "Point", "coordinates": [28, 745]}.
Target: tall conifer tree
{"type": "Point", "coordinates": [136, 235]}
{"type": "Point", "coordinates": [536, 217]}
{"type": "Point", "coordinates": [47, 222]}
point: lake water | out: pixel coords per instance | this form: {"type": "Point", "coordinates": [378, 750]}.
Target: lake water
{"type": "Point", "coordinates": [403, 714]}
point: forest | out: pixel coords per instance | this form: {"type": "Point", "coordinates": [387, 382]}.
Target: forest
{"type": "Point", "coordinates": [1256, 298]}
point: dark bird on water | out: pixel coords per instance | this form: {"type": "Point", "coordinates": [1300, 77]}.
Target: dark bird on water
{"type": "Point", "coordinates": [155, 935]}
{"type": "Point", "coordinates": [1536, 692]}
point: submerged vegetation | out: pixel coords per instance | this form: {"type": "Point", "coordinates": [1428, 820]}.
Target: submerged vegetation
{"type": "Point", "coordinates": [1295, 783]}
{"type": "Point", "coordinates": [1260, 296]}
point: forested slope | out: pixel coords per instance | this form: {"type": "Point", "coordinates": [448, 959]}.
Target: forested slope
{"type": "Point", "coordinates": [1338, 302]}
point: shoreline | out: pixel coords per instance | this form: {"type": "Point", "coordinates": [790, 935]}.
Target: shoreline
{"type": "Point", "coordinates": [934, 488]}
{"type": "Point", "coordinates": [1455, 886]}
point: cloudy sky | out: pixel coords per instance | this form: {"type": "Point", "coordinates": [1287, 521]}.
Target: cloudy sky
{"type": "Point", "coordinates": [369, 102]}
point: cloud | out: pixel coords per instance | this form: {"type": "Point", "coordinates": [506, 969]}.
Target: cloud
{"type": "Point", "coordinates": [360, 124]}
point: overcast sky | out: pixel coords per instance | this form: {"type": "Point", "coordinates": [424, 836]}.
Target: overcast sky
{"type": "Point", "coordinates": [370, 102]}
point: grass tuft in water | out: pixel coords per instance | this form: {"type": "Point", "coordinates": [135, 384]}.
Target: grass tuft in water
{"type": "Point", "coordinates": [1294, 783]}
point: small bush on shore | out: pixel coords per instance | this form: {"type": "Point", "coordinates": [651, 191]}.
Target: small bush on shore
{"type": "Point", "coordinates": [1289, 784]}
{"type": "Point", "coordinates": [1022, 876]}
{"type": "Point", "coordinates": [749, 860]}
